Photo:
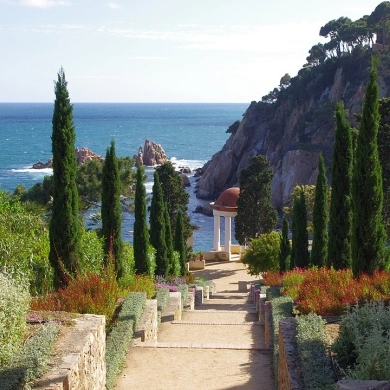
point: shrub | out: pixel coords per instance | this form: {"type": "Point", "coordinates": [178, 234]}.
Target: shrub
{"type": "Point", "coordinates": [92, 247]}
{"type": "Point", "coordinates": [14, 304]}
{"type": "Point", "coordinates": [31, 361]}
{"type": "Point", "coordinates": [162, 296]}
{"type": "Point", "coordinates": [311, 341]}
{"type": "Point", "coordinates": [120, 335]}
{"type": "Point", "coordinates": [363, 344]}
{"type": "Point", "coordinates": [90, 293]}
{"type": "Point", "coordinates": [24, 248]}
{"type": "Point", "coordinates": [263, 253]}
{"type": "Point", "coordinates": [141, 283]}
{"type": "Point", "coordinates": [281, 308]}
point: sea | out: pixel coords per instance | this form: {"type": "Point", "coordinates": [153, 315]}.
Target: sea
{"type": "Point", "coordinates": [189, 134]}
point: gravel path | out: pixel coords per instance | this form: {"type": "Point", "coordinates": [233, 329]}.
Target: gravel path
{"type": "Point", "coordinates": [219, 346]}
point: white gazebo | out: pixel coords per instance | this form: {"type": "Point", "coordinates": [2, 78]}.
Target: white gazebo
{"type": "Point", "coordinates": [225, 206]}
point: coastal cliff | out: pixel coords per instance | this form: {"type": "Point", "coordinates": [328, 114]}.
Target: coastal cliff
{"type": "Point", "coordinates": [292, 129]}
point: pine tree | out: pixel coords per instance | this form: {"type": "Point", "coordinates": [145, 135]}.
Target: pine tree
{"type": "Point", "coordinates": [255, 214]}
{"type": "Point", "coordinates": [340, 213]}
{"type": "Point", "coordinates": [180, 243]}
{"type": "Point", "coordinates": [174, 195]}
{"type": "Point", "coordinates": [111, 210]}
{"type": "Point", "coordinates": [299, 253]}
{"type": "Point", "coordinates": [141, 236]}
{"type": "Point", "coordinates": [64, 233]}
{"type": "Point", "coordinates": [285, 247]}
{"type": "Point", "coordinates": [368, 233]}
{"type": "Point", "coordinates": [319, 252]}
{"type": "Point", "coordinates": [157, 228]}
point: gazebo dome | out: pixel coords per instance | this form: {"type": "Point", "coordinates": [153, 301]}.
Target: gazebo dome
{"type": "Point", "coordinates": [228, 198]}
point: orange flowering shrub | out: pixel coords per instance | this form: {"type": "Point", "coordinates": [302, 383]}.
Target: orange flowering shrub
{"type": "Point", "coordinates": [326, 291]}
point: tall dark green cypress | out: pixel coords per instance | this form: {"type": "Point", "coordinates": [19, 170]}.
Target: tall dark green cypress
{"type": "Point", "coordinates": [300, 240]}
{"type": "Point", "coordinates": [141, 234]}
{"type": "Point", "coordinates": [319, 252]}
{"type": "Point", "coordinates": [340, 212]}
{"type": "Point", "coordinates": [64, 233]}
{"type": "Point", "coordinates": [368, 232]}
{"type": "Point", "coordinates": [285, 247]}
{"type": "Point", "coordinates": [180, 243]}
{"type": "Point", "coordinates": [112, 211]}
{"type": "Point", "coordinates": [168, 237]}
{"type": "Point", "coordinates": [157, 228]}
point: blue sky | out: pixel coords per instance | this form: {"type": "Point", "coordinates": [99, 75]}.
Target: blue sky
{"type": "Point", "coordinates": [159, 50]}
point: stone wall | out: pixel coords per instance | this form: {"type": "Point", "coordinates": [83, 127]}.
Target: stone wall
{"type": "Point", "coordinates": [147, 327]}
{"type": "Point", "coordinates": [79, 362]}
{"type": "Point", "coordinates": [288, 366]}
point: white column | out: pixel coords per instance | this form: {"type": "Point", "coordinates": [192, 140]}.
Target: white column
{"type": "Point", "coordinates": [228, 233]}
{"type": "Point", "coordinates": [217, 234]}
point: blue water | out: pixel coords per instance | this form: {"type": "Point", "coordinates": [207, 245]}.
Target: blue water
{"type": "Point", "coordinates": [189, 134]}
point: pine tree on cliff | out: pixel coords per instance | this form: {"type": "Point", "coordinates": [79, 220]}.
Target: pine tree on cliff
{"type": "Point", "coordinates": [300, 240]}
{"type": "Point", "coordinates": [319, 252]}
{"type": "Point", "coordinates": [180, 243]}
{"type": "Point", "coordinates": [111, 211]}
{"type": "Point", "coordinates": [255, 214]}
{"type": "Point", "coordinates": [157, 228]}
{"type": "Point", "coordinates": [368, 233]}
{"type": "Point", "coordinates": [141, 234]}
{"type": "Point", "coordinates": [340, 213]}
{"type": "Point", "coordinates": [285, 247]}
{"type": "Point", "coordinates": [64, 233]}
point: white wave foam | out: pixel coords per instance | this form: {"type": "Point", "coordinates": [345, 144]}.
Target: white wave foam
{"type": "Point", "coordinates": [192, 164]}
{"type": "Point", "coordinates": [32, 170]}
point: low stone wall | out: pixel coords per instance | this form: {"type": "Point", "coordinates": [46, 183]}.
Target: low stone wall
{"type": "Point", "coordinates": [79, 362]}
{"type": "Point", "coordinates": [288, 366]}
{"type": "Point", "coordinates": [289, 373]}
{"type": "Point", "coordinates": [147, 326]}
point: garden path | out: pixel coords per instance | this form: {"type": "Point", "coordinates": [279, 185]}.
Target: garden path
{"type": "Point", "coordinates": [219, 346]}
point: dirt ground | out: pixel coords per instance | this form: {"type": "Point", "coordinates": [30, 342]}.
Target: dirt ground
{"type": "Point", "coordinates": [219, 346]}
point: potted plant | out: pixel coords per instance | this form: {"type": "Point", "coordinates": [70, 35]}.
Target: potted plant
{"type": "Point", "coordinates": [201, 255]}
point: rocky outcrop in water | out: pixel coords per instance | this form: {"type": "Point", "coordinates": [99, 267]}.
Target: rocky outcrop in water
{"type": "Point", "coordinates": [152, 154]}
{"type": "Point", "coordinates": [290, 132]}
{"type": "Point", "coordinates": [82, 155]}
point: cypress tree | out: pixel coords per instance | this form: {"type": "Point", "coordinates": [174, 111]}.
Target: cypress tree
{"type": "Point", "coordinates": [340, 212]}
{"type": "Point", "coordinates": [111, 210]}
{"type": "Point", "coordinates": [180, 242]}
{"type": "Point", "coordinates": [64, 233]}
{"type": "Point", "coordinates": [285, 247]}
{"type": "Point", "coordinates": [319, 252]}
{"type": "Point", "coordinates": [299, 254]}
{"type": "Point", "coordinates": [157, 228]}
{"type": "Point", "coordinates": [141, 239]}
{"type": "Point", "coordinates": [368, 233]}
{"type": "Point", "coordinates": [168, 237]}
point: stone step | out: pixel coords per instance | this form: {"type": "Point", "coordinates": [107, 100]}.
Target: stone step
{"type": "Point", "coordinates": [241, 346]}
{"type": "Point", "coordinates": [216, 323]}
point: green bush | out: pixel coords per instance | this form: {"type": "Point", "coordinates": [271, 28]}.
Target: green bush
{"type": "Point", "coordinates": [311, 340]}
{"type": "Point", "coordinates": [263, 253]}
{"type": "Point", "coordinates": [162, 296]}
{"type": "Point", "coordinates": [24, 249]}
{"type": "Point", "coordinates": [121, 334]}
{"type": "Point", "coordinates": [281, 308]}
{"type": "Point", "coordinates": [92, 247]}
{"type": "Point", "coordinates": [31, 361]}
{"type": "Point", "coordinates": [14, 304]}
{"type": "Point", "coordinates": [363, 344]}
